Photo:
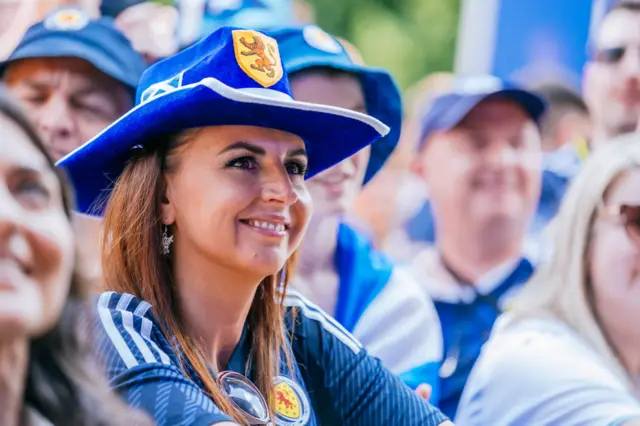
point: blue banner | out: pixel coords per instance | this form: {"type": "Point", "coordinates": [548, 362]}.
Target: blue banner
{"type": "Point", "coordinates": [527, 40]}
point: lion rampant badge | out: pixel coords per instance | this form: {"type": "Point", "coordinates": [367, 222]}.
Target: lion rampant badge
{"type": "Point", "coordinates": [291, 404]}
{"type": "Point", "coordinates": [258, 56]}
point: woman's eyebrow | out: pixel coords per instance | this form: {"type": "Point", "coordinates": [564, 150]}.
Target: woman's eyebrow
{"type": "Point", "coordinates": [246, 146]}
{"type": "Point", "coordinates": [297, 152]}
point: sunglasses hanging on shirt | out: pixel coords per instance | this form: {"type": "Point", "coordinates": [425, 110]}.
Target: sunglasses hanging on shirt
{"type": "Point", "coordinates": [245, 396]}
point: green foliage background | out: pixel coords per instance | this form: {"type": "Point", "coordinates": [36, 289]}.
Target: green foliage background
{"type": "Point", "coordinates": [411, 38]}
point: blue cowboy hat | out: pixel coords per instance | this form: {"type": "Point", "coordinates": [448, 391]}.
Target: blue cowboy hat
{"type": "Point", "coordinates": [232, 77]}
{"type": "Point", "coordinates": [311, 47]}
{"type": "Point", "coordinates": [69, 33]}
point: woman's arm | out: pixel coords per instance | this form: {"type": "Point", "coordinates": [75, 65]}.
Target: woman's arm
{"type": "Point", "coordinates": [517, 382]}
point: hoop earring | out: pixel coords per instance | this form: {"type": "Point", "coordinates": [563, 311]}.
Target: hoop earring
{"type": "Point", "coordinates": [166, 241]}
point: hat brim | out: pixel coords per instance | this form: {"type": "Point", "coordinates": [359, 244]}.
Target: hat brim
{"type": "Point", "coordinates": [531, 103]}
{"type": "Point", "coordinates": [383, 101]}
{"type": "Point", "coordinates": [54, 46]}
{"type": "Point", "coordinates": [330, 134]}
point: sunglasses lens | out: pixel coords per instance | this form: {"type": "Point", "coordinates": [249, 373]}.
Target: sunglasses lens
{"type": "Point", "coordinates": [245, 396]}
{"type": "Point", "coordinates": [610, 55]}
{"type": "Point", "coordinates": [631, 216]}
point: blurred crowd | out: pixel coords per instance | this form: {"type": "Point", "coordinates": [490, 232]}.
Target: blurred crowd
{"type": "Point", "coordinates": [486, 250]}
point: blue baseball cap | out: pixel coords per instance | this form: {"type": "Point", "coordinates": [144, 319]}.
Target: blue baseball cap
{"type": "Point", "coordinates": [232, 77]}
{"type": "Point", "coordinates": [310, 47]}
{"type": "Point", "coordinates": [447, 110]}
{"type": "Point", "coordinates": [69, 33]}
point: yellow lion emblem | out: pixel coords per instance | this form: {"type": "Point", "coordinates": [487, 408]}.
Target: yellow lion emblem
{"type": "Point", "coordinates": [258, 56]}
{"type": "Point", "coordinates": [263, 62]}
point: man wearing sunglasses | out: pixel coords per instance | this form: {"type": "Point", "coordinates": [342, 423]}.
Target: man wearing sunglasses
{"type": "Point", "coordinates": [612, 75]}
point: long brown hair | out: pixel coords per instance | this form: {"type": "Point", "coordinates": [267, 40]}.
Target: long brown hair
{"type": "Point", "coordinates": [64, 383]}
{"type": "Point", "coordinates": [133, 263]}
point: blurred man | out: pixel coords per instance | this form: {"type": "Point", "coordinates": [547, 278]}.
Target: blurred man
{"type": "Point", "coordinates": [566, 130]}
{"type": "Point", "coordinates": [74, 75]}
{"type": "Point", "coordinates": [566, 120]}
{"type": "Point", "coordinates": [339, 269]}
{"type": "Point", "coordinates": [612, 75]}
{"type": "Point", "coordinates": [481, 160]}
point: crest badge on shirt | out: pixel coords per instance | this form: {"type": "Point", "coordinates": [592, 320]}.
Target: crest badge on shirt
{"type": "Point", "coordinates": [258, 56]}
{"type": "Point", "coordinates": [292, 406]}
{"type": "Point", "coordinates": [68, 19]}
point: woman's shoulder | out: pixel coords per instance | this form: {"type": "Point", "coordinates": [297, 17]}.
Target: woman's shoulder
{"type": "Point", "coordinates": [314, 330]}
{"type": "Point", "coordinates": [123, 302]}
{"type": "Point", "coordinates": [544, 348]}
{"type": "Point", "coordinates": [128, 333]}
{"type": "Point", "coordinates": [544, 368]}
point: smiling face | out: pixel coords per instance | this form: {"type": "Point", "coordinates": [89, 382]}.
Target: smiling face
{"type": "Point", "coordinates": [486, 171]}
{"type": "Point", "coordinates": [614, 262]}
{"type": "Point", "coordinates": [36, 239]}
{"type": "Point", "coordinates": [334, 190]}
{"type": "Point", "coordinates": [236, 196]}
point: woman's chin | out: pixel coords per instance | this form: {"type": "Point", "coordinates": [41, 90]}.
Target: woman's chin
{"type": "Point", "coordinates": [264, 266]}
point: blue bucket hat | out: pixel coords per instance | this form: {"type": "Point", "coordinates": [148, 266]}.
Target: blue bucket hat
{"type": "Point", "coordinates": [69, 33]}
{"type": "Point", "coordinates": [231, 77]}
{"type": "Point", "coordinates": [447, 110]}
{"type": "Point", "coordinates": [310, 47]}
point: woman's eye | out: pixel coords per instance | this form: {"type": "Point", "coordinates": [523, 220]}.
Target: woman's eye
{"type": "Point", "coordinates": [296, 168]}
{"type": "Point", "coordinates": [247, 163]}
{"type": "Point", "coordinates": [35, 100]}
{"type": "Point", "coordinates": [32, 194]}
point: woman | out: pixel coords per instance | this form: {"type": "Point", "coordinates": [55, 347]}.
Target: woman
{"type": "Point", "coordinates": [568, 352]}
{"type": "Point", "coordinates": [208, 206]}
{"type": "Point", "coordinates": [47, 373]}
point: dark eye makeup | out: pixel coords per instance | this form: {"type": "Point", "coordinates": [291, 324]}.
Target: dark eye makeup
{"type": "Point", "coordinates": [295, 167]}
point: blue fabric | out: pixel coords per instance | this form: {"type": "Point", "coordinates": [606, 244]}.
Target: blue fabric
{"type": "Point", "coordinates": [98, 42]}
{"type": "Point", "coordinates": [554, 186]}
{"type": "Point", "coordinates": [416, 376]}
{"type": "Point", "coordinates": [113, 8]}
{"type": "Point", "coordinates": [310, 47]}
{"type": "Point", "coordinates": [204, 85]}
{"type": "Point", "coordinates": [448, 109]}
{"type": "Point", "coordinates": [363, 273]}
{"type": "Point", "coordinates": [466, 327]}
{"type": "Point", "coordinates": [340, 383]}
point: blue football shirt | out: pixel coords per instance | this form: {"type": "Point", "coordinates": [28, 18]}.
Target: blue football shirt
{"type": "Point", "coordinates": [335, 381]}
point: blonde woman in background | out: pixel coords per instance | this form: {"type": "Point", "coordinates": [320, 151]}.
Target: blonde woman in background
{"type": "Point", "coordinates": [568, 351]}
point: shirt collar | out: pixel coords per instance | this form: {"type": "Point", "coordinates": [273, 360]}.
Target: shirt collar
{"type": "Point", "coordinates": [442, 286]}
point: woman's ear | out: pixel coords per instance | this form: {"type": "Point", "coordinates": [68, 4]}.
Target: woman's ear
{"type": "Point", "coordinates": [167, 207]}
